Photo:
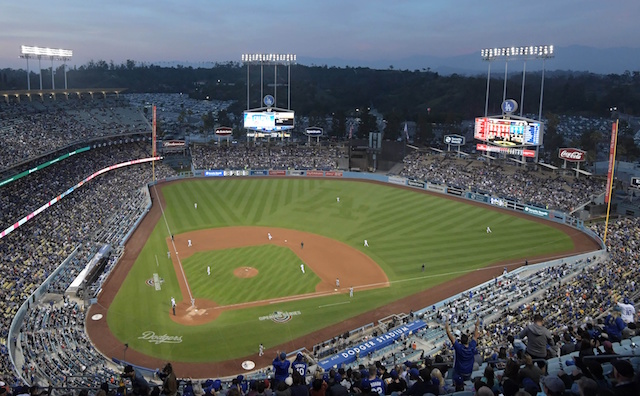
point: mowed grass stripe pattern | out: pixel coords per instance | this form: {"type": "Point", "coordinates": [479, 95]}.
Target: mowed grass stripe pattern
{"type": "Point", "coordinates": [273, 263]}
{"type": "Point", "coordinates": [404, 229]}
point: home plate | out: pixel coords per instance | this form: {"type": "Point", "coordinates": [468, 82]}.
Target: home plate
{"type": "Point", "coordinates": [248, 365]}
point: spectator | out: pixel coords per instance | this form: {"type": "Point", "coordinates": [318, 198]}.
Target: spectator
{"type": "Point", "coordinates": [465, 350]}
{"type": "Point", "coordinates": [537, 338]}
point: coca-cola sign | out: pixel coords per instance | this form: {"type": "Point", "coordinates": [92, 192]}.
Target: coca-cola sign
{"type": "Point", "coordinates": [572, 154]}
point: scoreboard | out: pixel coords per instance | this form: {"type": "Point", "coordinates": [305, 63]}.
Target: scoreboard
{"type": "Point", "coordinates": [267, 121]}
{"type": "Point", "coordinates": [508, 132]}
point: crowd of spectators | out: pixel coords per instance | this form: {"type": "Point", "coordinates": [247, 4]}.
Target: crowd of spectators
{"type": "Point", "coordinates": [266, 157]}
{"type": "Point", "coordinates": [31, 129]}
{"type": "Point", "coordinates": [521, 185]}
{"type": "Point", "coordinates": [100, 211]}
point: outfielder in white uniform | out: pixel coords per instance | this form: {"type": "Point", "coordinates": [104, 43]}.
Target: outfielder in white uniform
{"type": "Point", "coordinates": [351, 291]}
{"type": "Point", "coordinates": [302, 267]}
{"type": "Point", "coordinates": [366, 243]}
{"type": "Point", "coordinates": [195, 205]}
{"type": "Point", "coordinates": [488, 230]}
{"type": "Point", "coordinates": [208, 270]}
{"type": "Point", "coordinates": [338, 199]}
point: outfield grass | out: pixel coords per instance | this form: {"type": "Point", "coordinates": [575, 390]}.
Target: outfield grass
{"type": "Point", "coordinates": [404, 228]}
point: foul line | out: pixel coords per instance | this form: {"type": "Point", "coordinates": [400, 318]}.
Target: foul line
{"type": "Point", "coordinates": [173, 243]}
{"type": "Point", "coordinates": [329, 305]}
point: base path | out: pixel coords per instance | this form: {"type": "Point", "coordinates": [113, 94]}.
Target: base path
{"type": "Point", "coordinates": [106, 342]}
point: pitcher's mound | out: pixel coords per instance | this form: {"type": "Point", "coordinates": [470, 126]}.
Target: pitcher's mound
{"type": "Point", "coordinates": [245, 272]}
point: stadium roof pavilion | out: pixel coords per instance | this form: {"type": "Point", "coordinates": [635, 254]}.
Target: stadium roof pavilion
{"type": "Point", "coordinates": [53, 93]}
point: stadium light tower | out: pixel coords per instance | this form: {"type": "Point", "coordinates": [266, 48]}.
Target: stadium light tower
{"type": "Point", "coordinates": [543, 52]}
{"type": "Point", "coordinates": [53, 54]}
{"type": "Point", "coordinates": [270, 59]}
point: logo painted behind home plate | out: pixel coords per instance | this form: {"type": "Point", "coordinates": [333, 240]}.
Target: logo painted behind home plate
{"type": "Point", "coordinates": [280, 316]}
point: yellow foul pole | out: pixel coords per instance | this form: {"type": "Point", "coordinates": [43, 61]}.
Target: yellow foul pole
{"type": "Point", "coordinates": [612, 166]}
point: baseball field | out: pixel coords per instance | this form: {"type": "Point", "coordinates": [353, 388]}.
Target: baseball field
{"type": "Point", "coordinates": [249, 289]}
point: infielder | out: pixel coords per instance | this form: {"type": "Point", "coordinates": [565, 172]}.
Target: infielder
{"type": "Point", "coordinates": [366, 243]}
{"type": "Point", "coordinates": [261, 350]}
{"type": "Point", "coordinates": [337, 282]}
{"type": "Point", "coordinates": [189, 242]}
{"type": "Point", "coordinates": [302, 267]}
{"type": "Point", "coordinates": [173, 305]}
{"type": "Point", "coordinates": [168, 254]}
{"type": "Point", "coordinates": [269, 235]}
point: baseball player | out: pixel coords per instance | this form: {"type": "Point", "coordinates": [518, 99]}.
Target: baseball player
{"type": "Point", "coordinates": [302, 267]}
{"type": "Point", "coordinates": [301, 245]}
{"type": "Point", "coordinates": [193, 302]}
{"type": "Point", "coordinates": [168, 254]}
{"type": "Point", "coordinates": [173, 305]}
{"type": "Point", "coordinates": [337, 282]}
{"type": "Point", "coordinates": [269, 235]}
{"type": "Point", "coordinates": [488, 230]}
{"type": "Point", "coordinates": [195, 205]}
{"type": "Point", "coordinates": [338, 199]}
{"type": "Point", "coordinates": [189, 242]}
{"type": "Point", "coordinates": [366, 243]}
{"type": "Point", "coordinates": [261, 350]}
{"type": "Point", "coordinates": [351, 291]}
{"type": "Point", "coordinates": [208, 270]}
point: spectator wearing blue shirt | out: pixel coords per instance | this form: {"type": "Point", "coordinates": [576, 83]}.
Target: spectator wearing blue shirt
{"type": "Point", "coordinates": [465, 350]}
{"type": "Point", "coordinates": [280, 367]}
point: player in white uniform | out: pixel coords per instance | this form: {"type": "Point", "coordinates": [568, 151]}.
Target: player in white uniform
{"type": "Point", "coordinates": [351, 291]}
{"type": "Point", "coordinates": [366, 243]}
{"type": "Point", "coordinates": [337, 282]}
{"type": "Point", "coordinates": [168, 254]}
{"type": "Point", "coordinates": [195, 205]}
{"type": "Point", "coordinates": [269, 235]}
{"type": "Point", "coordinates": [302, 267]}
{"type": "Point", "coordinates": [261, 350]}
{"type": "Point", "coordinates": [189, 242]}
{"type": "Point", "coordinates": [338, 199]}
{"type": "Point", "coordinates": [208, 270]}
{"type": "Point", "coordinates": [488, 230]}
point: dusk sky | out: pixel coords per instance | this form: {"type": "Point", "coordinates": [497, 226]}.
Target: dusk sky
{"type": "Point", "coordinates": [359, 30]}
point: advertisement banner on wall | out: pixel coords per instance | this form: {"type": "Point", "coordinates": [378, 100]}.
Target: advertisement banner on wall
{"type": "Point", "coordinates": [436, 187]}
{"type": "Point", "coordinates": [416, 183]}
{"type": "Point", "coordinates": [236, 172]}
{"type": "Point", "coordinates": [259, 173]}
{"type": "Point", "coordinates": [333, 174]}
{"type": "Point", "coordinates": [477, 197]}
{"type": "Point", "coordinates": [296, 173]}
{"type": "Point", "coordinates": [315, 173]}
{"type": "Point", "coordinates": [364, 349]}
{"type": "Point", "coordinates": [454, 191]}
{"type": "Point", "coordinates": [398, 180]}
{"type": "Point", "coordinates": [277, 173]}
{"type": "Point", "coordinates": [214, 173]}
{"type": "Point", "coordinates": [536, 211]}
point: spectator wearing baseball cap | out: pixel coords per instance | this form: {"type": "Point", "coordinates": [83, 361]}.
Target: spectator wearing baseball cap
{"type": "Point", "coordinates": [280, 368]}
{"type": "Point", "coordinates": [396, 384]}
{"type": "Point", "coordinates": [465, 351]}
{"type": "Point", "coordinates": [552, 385]}
{"type": "Point", "coordinates": [623, 374]}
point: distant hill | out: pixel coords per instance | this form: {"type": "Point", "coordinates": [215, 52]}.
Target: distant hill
{"type": "Point", "coordinates": [575, 57]}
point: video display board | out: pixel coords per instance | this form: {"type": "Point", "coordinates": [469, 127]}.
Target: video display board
{"type": "Point", "coordinates": [508, 132]}
{"type": "Point", "coordinates": [268, 120]}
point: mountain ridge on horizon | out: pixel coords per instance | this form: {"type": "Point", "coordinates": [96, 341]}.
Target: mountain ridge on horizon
{"type": "Point", "coordinates": [576, 58]}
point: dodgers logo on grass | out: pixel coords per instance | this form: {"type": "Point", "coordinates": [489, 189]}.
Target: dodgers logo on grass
{"type": "Point", "coordinates": [280, 316]}
{"type": "Point", "coordinates": [160, 339]}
